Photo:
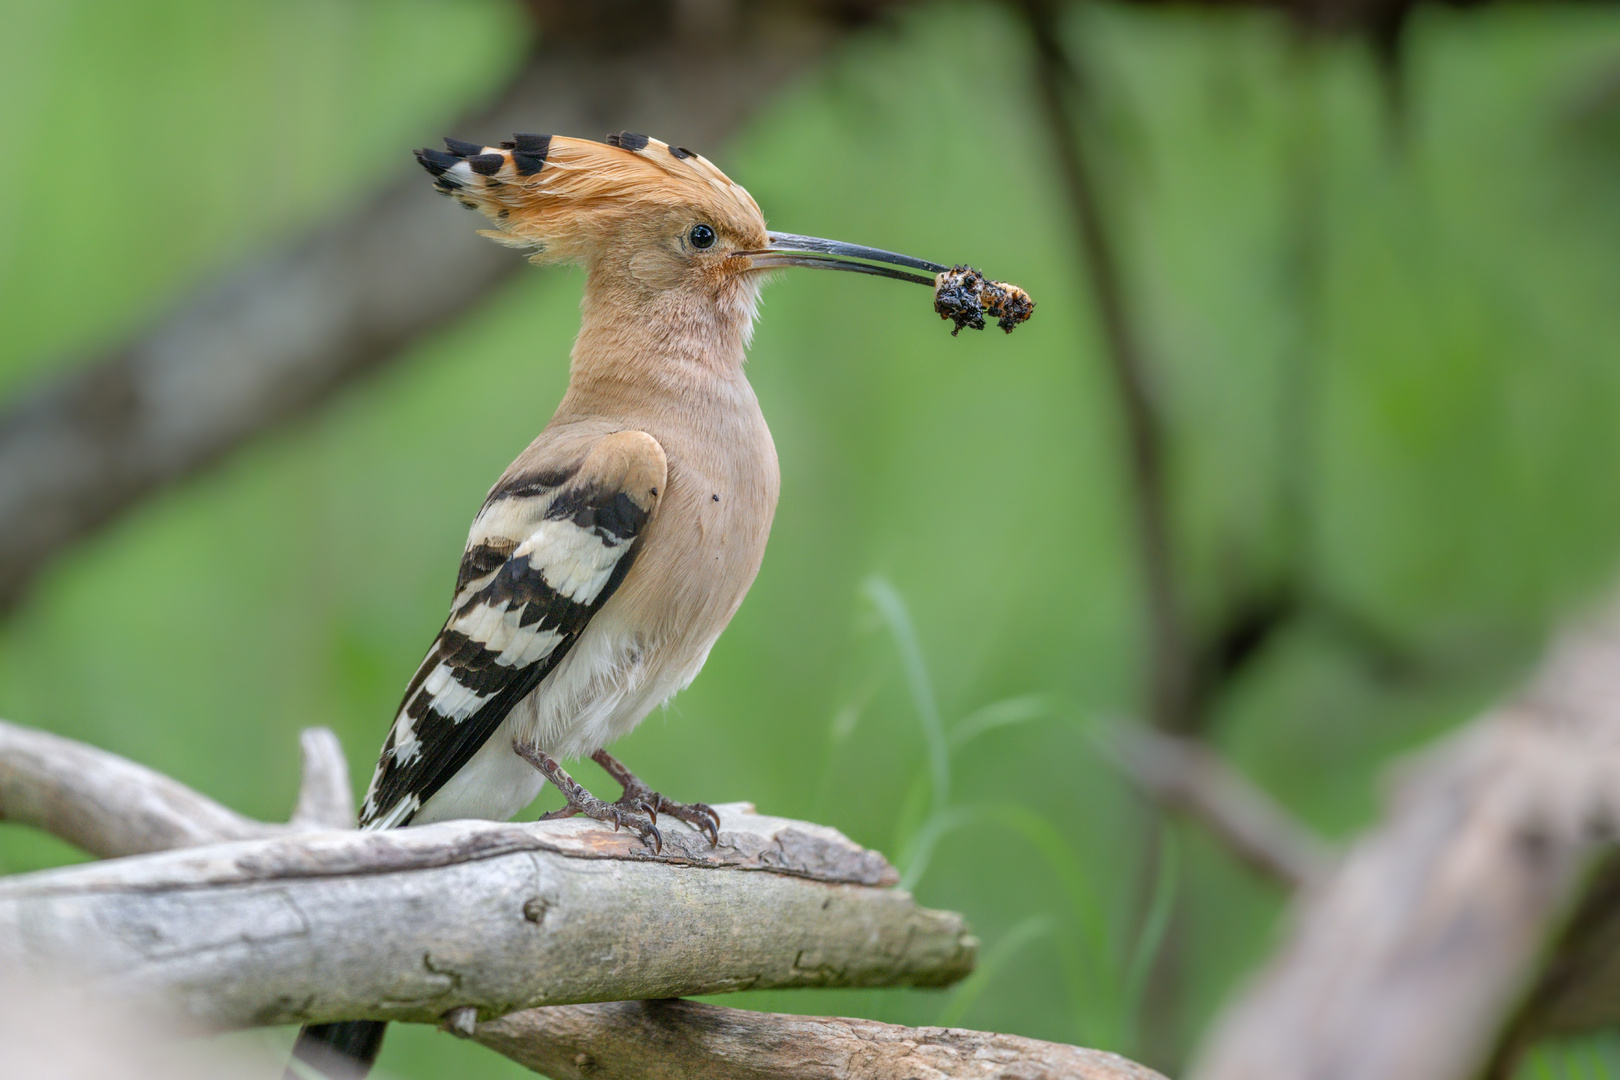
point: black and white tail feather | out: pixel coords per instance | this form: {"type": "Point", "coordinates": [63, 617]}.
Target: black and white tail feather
{"type": "Point", "coordinates": [548, 549]}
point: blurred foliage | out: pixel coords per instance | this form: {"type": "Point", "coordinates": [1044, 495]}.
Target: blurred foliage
{"type": "Point", "coordinates": [1383, 331]}
{"type": "Point", "coordinates": [1595, 1057]}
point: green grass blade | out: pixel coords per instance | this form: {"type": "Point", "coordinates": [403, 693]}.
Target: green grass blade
{"type": "Point", "coordinates": [892, 607]}
{"type": "Point", "coordinates": [1000, 714]}
{"type": "Point", "coordinates": [1161, 906]}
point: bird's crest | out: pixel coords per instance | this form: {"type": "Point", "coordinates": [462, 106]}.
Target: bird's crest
{"type": "Point", "coordinates": [564, 197]}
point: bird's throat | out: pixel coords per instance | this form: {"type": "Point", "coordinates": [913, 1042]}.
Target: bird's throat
{"type": "Point", "coordinates": [670, 337]}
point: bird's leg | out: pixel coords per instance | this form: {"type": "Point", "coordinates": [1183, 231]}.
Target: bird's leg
{"type": "Point", "coordinates": [580, 801]}
{"type": "Point", "coordinates": [700, 816]}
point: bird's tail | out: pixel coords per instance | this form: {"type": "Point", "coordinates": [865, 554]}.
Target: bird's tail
{"type": "Point", "coordinates": [342, 1051]}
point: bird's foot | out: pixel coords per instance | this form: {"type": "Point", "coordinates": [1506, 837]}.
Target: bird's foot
{"type": "Point", "coordinates": [637, 795]}
{"type": "Point", "coordinates": [641, 818]}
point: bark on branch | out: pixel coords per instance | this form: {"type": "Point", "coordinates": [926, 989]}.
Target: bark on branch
{"type": "Point", "coordinates": [452, 922]}
{"type": "Point", "coordinates": [676, 1040]}
{"type": "Point", "coordinates": [413, 923]}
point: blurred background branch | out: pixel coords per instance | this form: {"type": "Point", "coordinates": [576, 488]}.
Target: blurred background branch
{"type": "Point", "coordinates": [109, 806]}
{"type": "Point", "coordinates": [1059, 87]}
{"type": "Point", "coordinates": [1184, 774]}
{"type": "Point", "coordinates": [1410, 959]}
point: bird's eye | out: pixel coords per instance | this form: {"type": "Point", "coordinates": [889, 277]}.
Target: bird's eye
{"type": "Point", "coordinates": [702, 236]}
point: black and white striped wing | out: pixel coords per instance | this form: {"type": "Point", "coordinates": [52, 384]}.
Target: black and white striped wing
{"type": "Point", "coordinates": [547, 551]}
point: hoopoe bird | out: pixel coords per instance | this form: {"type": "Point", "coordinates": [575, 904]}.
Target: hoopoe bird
{"type": "Point", "coordinates": [610, 555]}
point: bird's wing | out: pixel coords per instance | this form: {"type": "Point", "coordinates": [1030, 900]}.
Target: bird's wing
{"type": "Point", "coordinates": [547, 550]}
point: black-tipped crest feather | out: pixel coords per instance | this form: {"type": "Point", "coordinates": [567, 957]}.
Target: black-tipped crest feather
{"type": "Point", "coordinates": [436, 161]}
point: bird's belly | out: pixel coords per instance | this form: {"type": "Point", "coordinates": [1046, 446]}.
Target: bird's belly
{"type": "Point", "coordinates": [494, 784]}
{"type": "Point", "coordinates": [607, 683]}
{"type": "Point", "coordinates": [605, 686]}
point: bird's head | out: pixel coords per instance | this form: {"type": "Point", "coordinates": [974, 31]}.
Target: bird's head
{"type": "Point", "coordinates": [653, 224]}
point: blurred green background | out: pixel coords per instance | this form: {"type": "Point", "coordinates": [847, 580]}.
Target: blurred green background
{"type": "Point", "coordinates": [1382, 318]}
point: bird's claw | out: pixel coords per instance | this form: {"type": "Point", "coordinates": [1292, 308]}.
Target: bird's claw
{"type": "Point", "coordinates": [650, 808]}
{"type": "Point", "coordinates": [643, 799]}
{"type": "Point", "coordinates": [643, 824]}
{"type": "Point", "coordinates": [700, 816]}
{"type": "Point", "coordinates": [634, 813]}
{"type": "Point", "coordinates": [619, 815]}
{"type": "Point", "coordinates": [709, 823]}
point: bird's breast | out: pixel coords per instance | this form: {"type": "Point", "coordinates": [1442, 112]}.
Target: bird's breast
{"type": "Point", "coordinates": [706, 541]}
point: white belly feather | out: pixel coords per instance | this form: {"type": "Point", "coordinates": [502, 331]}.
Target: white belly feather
{"type": "Point", "coordinates": [599, 692]}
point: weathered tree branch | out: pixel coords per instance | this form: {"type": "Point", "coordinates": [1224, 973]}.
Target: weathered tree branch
{"type": "Point", "coordinates": [452, 922]}
{"type": "Point", "coordinates": [418, 924]}
{"type": "Point", "coordinates": [410, 924]}
{"type": "Point", "coordinates": [285, 332]}
{"type": "Point", "coordinates": [109, 806]}
{"type": "Point", "coordinates": [325, 800]}
{"type": "Point", "coordinates": [675, 1040]}
{"type": "Point", "coordinates": [1186, 775]}
{"type": "Point", "coordinates": [1409, 958]}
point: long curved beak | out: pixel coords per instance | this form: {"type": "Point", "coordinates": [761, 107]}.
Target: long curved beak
{"type": "Point", "coordinates": [788, 249]}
